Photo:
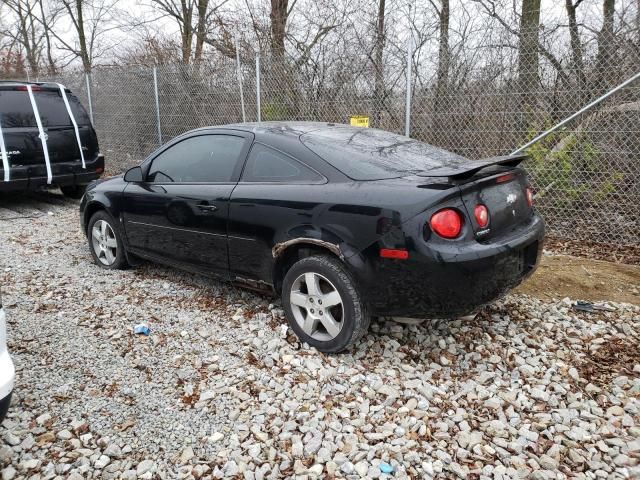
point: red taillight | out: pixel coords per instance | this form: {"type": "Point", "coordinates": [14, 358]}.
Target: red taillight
{"type": "Point", "coordinates": [23, 88]}
{"type": "Point", "coordinates": [505, 178]}
{"type": "Point", "coordinates": [99, 169]}
{"type": "Point", "coordinates": [529, 193]}
{"type": "Point", "coordinates": [447, 223]}
{"type": "Point", "coordinates": [398, 254]}
{"type": "Point", "coordinates": [482, 215]}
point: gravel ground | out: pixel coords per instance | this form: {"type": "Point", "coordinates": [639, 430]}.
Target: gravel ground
{"type": "Point", "coordinates": [221, 388]}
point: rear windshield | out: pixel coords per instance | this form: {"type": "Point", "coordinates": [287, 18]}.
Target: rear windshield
{"type": "Point", "coordinates": [369, 154]}
{"type": "Point", "coordinates": [16, 110]}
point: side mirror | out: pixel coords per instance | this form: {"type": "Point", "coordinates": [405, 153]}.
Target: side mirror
{"type": "Point", "coordinates": [133, 175]}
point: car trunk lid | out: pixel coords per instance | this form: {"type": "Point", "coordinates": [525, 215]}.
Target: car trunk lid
{"type": "Point", "coordinates": [497, 183]}
{"type": "Point", "coordinates": [504, 195]}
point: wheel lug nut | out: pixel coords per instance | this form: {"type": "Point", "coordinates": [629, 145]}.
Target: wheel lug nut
{"type": "Point", "coordinates": [321, 312]}
{"type": "Point", "coordinates": [311, 300]}
{"type": "Point", "coordinates": [319, 302]}
{"type": "Point", "coordinates": [312, 311]}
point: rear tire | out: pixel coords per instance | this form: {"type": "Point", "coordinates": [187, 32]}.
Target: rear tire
{"type": "Point", "coordinates": [73, 191]}
{"type": "Point", "coordinates": [323, 304]}
{"type": "Point", "coordinates": [105, 242]}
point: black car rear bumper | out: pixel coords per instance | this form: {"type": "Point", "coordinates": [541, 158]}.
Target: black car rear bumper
{"type": "Point", "coordinates": [450, 280]}
{"type": "Point", "coordinates": [64, 173]}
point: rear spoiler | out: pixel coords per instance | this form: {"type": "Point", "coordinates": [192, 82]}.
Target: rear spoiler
{"type": "Point", "coordinates": [469, 169]}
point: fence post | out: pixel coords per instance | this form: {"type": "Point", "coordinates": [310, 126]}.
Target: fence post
{"type": "Point", "coordinates": [88, 81]}
{"type": "Point", "coordinates": [155, 92]}
{"type": "Point", "coordinates": [407, 113]}
{"type": "Point", "coordinates": [244, 119]}
{"type": "Point", "coordinates": [258, 86]}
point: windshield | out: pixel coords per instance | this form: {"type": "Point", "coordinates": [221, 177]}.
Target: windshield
{"type": "Point", "coordinates": [369, 154]}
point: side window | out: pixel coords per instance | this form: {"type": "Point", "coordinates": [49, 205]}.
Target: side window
{"type": "Point", "coordinates": [53, 111]}
{"type": "Point", "coordinates": [80, 114]}
{"type": "Point", "coordinates": [15, 110]}
{"type": "Point", "coordinates": [268, 165]}
{"type": "Point", "coordinates": [206, 158]}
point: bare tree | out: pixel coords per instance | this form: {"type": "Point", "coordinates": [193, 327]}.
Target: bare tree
{"type": "Point", "coordinates": [48, 20]}
{"type": "Point", "coordinates": [577, 61]}
{"type": "Point", "coordinates": [528, 61]}
{"type": "Point", "coordinates": [279, 15]}
{"type": "Point", "coordinates": [442, 79]}
{"type": "Point", "coordinates": [30, 30]}
{"type": "Point", "coordinates": [606, 46]}
{"type": "Point", "coordinates": [26, 33]}
{"type": "Point", "coordinates": [194, 19]}
{"type": "Point", "coordinates": [90, 21]}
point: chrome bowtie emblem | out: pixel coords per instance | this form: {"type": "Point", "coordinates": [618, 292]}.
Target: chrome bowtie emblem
{"type": "Point", "coordinates": [511, 198]}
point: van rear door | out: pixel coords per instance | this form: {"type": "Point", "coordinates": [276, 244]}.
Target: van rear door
{"type": "Point", "coordinates": [22, 138]}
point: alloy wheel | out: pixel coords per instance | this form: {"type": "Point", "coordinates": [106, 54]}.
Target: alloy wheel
{"type": "Point", "coordinates": [317, 306]}
{"type": "Point", "coordinates": [104, 242]}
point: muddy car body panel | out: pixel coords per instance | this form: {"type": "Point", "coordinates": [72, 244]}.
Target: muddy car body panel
{"type": "Point", "coordinates": [250, 228]}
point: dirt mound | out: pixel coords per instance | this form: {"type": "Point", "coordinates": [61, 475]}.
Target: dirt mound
{"type": "Point", "coordinates": [560, 276]}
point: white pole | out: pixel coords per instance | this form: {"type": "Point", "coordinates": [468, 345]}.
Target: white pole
{"type": "Point", "coordinates": [407, 113]}
{"type": "Point", "coordinates": [258, 86]}
{"type": "Point", "coordinates": [86, 76]}
{"type": "Point", "coordinates": [155, 91]}
{"type": "Point", "coordinates": [577, 114]}
{"type": "Point", "coordinates": [244, 118]}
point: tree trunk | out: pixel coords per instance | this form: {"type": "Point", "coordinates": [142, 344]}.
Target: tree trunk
{"type": "Point", "coordinates": [279, 15]}
{"type": "Point", "coordinates": [606, 45]}
{"type": "Point", "coordinates": [201, 29]}
{"type": "Point", "coordinates": [82, 38]}
{"type": "Point", "coordinates": [528, 46]}
{"type": "Point", "coordinates": [51, 65]}
{"type": "Point", "coordinates": [638, 21]}
{"type": "Point", "coordinates": [576, 51]}
{"type": "Point", "coordinates": [378, 89]}
{"type": "Point", "coordinates": [528, 62]}
{"type": "Point", "coordinates": [442, 82]}
{"type": "Point", "coordinates": [186, 31]}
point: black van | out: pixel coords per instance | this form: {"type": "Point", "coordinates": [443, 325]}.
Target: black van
{"type": "Point", "coordinates": [46, 139]}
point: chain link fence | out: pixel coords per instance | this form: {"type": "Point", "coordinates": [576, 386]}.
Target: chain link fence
{"type": "Point", "coordinates": [587, 176]}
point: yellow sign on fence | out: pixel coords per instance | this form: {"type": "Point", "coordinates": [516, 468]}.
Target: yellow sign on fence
{"type": "Point", "coordinates": [359, 121]}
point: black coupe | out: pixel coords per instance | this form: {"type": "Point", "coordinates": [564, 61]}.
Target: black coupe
{"type": "Point", "coordinates": [345, 223]}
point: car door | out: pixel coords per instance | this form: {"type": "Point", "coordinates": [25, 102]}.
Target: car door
{"type": "Point", "coordinates": [271, 197]}
{"type": "Point", "coordinates": [178, 215]}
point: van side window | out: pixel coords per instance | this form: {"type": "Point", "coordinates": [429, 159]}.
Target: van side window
{"type": "Point", "coordinates": [16, 111]}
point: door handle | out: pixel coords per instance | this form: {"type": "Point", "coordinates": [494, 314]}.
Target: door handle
{"type": "Point", "coordinates": [208, 208]}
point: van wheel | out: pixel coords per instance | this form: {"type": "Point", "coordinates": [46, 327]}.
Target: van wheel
{"type": "Point", "coordinates": [73, 191]}
{"type": "Point", "coordinates": [323, 304]}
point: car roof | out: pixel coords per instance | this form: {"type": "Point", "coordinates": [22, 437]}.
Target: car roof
{"type": "Point", "coordinates": [284, 128]}
{"type": "Point", "coordinates": [276, 131]}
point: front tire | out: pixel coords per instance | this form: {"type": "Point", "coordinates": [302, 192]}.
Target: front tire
{"type": "Point", "coordinates": [105, 242]}
{"type": "Point", "coordinates": [323, 305]}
